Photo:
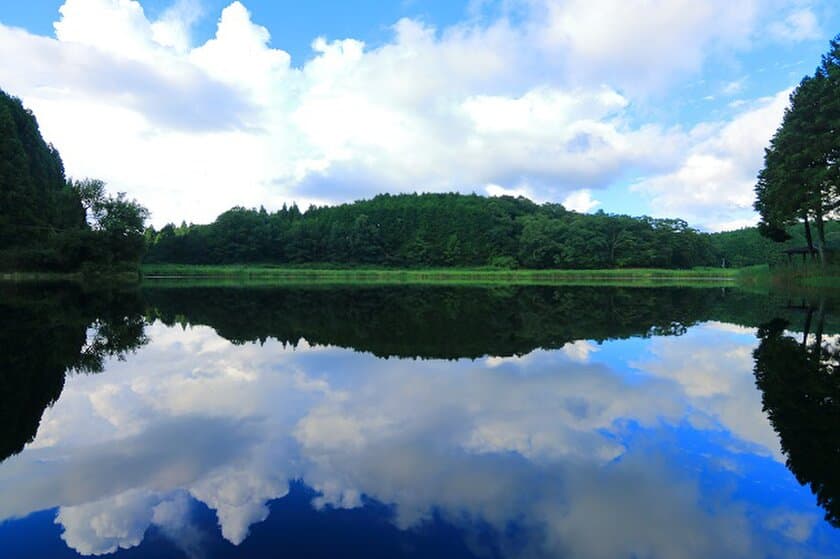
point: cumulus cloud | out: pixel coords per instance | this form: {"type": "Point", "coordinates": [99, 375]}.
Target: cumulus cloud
{"type": "Point", "coordinates": [534, 102]}
{"type": "Point", "coordinates": [104, 526]}
{"type": "Point", "coordinates": [644, 45]}
{"type": "Point", "coordinates": [174, 27]}
{"type": "Point", "coordinates": [581, 201]}
{"type": "Point", "coordinates": [239, 499]}
{"type": "Point", "coordinates": [713, 184]}
{"type": "Point", "coordinates": [579, 350]}
{"type": "Point", "coordinates": [719, 380]}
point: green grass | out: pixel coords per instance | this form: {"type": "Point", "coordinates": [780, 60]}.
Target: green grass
{"type": "Point", "coordinates": [796, 274]}
{"type": "Point", "coordinates": [268, 274]}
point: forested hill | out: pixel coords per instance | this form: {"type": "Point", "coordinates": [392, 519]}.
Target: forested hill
{"type": "Point", "coordinates": [435, 230]}
{"type": "Point", "coordinates": [44, 217]}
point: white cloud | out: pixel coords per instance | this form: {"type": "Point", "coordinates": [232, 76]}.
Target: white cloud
{"type": "Point", "coordinates": [239, 499]}
{"type": "Point", "coordinates": [119, 27]}
{"type": "Point", "coordinates": [713, 184]}
{"type": "Point", "coordinates": [104, 526]}
{"type": "Point", "coordinates": [734, 87]}
{"type": "Point", "coordinates": [719, 380]}
{"type": "Point", "coordinates": [796, 526]}
{"type": "Point", "coordinates": [174, 27]}
{"type": "Point", "coordinates": [644, 44]}
{"type": "Point", "coordinates": [799, 25]}
{"type": "Point", "coordinates": [579, 350]}
{"type": "Point", "coordinates": [580, 201]}
{"type": "Point", "coordinates": [539, 104]}
{"type": "Point", "coordinates": [498, 190]}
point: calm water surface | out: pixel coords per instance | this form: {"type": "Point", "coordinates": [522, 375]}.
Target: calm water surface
{"type": "Point", "coordinates": [418, 422]}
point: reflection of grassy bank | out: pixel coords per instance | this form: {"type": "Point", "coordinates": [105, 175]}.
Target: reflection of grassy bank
{"type": "Point", "coordinates": [275, 274]}
{"type": "Point", "coordinates": [88, 276]}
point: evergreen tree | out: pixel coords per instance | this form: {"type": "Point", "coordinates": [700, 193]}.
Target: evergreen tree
{"type": "Point", "coordinates": [799, 181]}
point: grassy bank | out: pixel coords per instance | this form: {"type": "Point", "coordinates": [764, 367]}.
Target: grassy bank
{"type": "Point", "coordinates": [281, 274]}
{"type": "Point", "coordinates": [809, 275]}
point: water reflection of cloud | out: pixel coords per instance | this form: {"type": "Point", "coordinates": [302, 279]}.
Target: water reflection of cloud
{"type": "Point", "coordinates": [170, 454]}
{"type": "Point", "coordinates": [714, 367]}
{"type": "Point", "coordinates": [541, 441]}
{"type": "Point", "coordinates": [579, 350]}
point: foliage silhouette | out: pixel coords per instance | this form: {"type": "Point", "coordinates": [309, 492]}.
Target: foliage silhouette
{"type": "Point", "coordinates": [46, 332]}
{"type": "Point", "coordinates": [801, 394]}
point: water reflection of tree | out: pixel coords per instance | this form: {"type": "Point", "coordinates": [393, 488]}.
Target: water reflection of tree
{"type": "Point", "coordinates": [118, 329]}
{"type": "Point", "coordinates": [800, 386]}
{"type": "Point", "coordinates": [440, 322]}
{"type": "Point", "coordinates": [46, 332]}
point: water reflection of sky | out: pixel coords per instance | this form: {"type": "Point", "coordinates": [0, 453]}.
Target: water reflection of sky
{"type": "Point", "coordinates": [646, 447]}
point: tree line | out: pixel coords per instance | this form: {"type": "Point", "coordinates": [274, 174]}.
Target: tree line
{"type": "Point", "coordinates": [435, 230]}
{"type": "Point", "coordinates": [49, 222]}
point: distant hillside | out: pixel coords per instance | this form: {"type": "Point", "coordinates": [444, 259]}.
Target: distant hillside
{"type": "Point", "coordinates": [435, 230]}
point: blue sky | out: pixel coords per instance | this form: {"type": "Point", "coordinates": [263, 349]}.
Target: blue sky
{"type": "Point", "coordinates": [193, 106]}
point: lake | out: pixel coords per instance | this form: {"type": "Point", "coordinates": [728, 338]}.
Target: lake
{"type": "Point", "coordinates": [195, 421]}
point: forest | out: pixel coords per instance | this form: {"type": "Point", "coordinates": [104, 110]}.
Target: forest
{"type": "Point", "coordinates": [49, 222]}
{"type": "Point", "coordinates": [435, 230]}
{"type": "Point", "coordinates": [442, 230]}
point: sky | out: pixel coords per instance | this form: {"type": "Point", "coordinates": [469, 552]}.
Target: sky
{"type": "Point", "coordinates": [656, 107]}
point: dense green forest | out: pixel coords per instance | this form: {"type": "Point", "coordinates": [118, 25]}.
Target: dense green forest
{"type": "Point", "coordinates": [414, 230]}
{"type": "Point", "coordinates": [50, 223]}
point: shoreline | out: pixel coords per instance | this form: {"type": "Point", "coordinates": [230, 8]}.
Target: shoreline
{"type": "Point", "coordinates": [477, 276]}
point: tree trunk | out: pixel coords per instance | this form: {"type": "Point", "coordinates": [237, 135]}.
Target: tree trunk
{"type": "Point", "coordinates": [819, 333]}
{"type": "Point", "coordinates": [821, 236]}
{"type": "Point", "coordinates": [807, 329]}
{"type": "Point", "coordinates": [808, 235]}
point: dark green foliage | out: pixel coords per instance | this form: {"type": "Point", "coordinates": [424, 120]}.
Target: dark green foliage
{"type": "Point", "coordinates": [748, 246]}
{"type": "Point", "coordinates": [117, 222]}
{"type": "Point", "coordinates": [452, 322]}
{"type": "Point", "coordinates": [800, 181]}
{"type": "Point", "coordinates": [43, 223]}
{"type": "Point", "coordinates": [435, 230]}
{"type": "Point", "coordinates": [36, 206]}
